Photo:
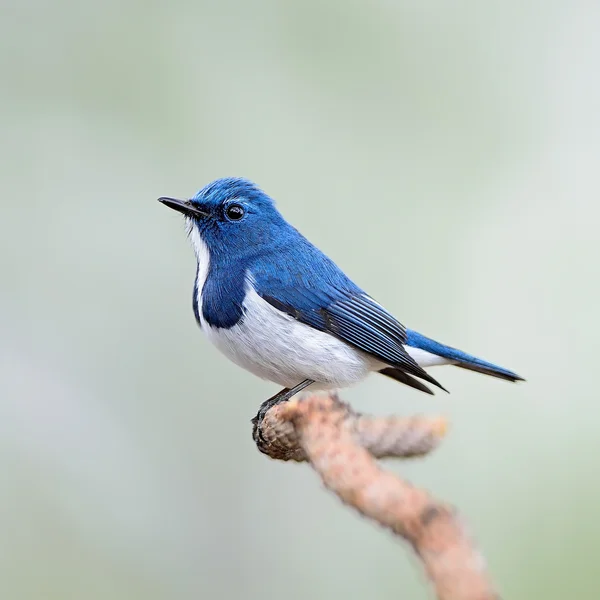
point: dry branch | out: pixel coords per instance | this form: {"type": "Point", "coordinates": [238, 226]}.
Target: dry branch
{"type": "Point", "coordinates": [342, 445]}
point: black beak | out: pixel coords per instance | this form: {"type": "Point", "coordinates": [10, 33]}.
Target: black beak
{"type": "Point", "coordinates": [183, 206]}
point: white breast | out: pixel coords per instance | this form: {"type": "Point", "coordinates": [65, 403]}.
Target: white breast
{"type": "Point", "coordinates": [274, 346]}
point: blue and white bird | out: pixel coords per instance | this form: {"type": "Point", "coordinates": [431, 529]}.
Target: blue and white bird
{"type": "Point", "coordinates": [277, 306]}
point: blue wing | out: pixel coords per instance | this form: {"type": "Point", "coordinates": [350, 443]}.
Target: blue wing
{"type": "Point", "coordinates": [308, 286]}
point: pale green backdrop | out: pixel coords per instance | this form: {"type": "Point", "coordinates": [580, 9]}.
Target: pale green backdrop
{"type": "Point", "coordinates": [446, 155]}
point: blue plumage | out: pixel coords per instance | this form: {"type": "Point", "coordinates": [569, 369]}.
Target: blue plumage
{"type": "Point", "coordinates": [257, 275]}
{"type": "Point", "coordinates": [234, 247]}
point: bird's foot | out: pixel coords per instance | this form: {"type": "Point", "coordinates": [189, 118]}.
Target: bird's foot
{"type": "Point", "coordinates": [283, 396]}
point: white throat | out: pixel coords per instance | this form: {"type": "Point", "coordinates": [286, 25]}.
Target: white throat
{"type": "Point", "coordinates": [202, 256]}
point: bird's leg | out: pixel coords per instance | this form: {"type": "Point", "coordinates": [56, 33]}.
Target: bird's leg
{"type": "Point", "coordinates": [283, 396]}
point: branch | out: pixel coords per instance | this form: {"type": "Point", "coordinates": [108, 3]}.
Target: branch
{"type": "Point", "coordinates": [342, 445]}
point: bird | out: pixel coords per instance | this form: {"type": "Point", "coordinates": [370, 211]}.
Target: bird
{"type": "Point", "coordinates": [277, 306]}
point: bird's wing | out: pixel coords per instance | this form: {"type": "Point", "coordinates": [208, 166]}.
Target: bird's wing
{"type": "Point", "coordinates": [318, 294]}
{"type": "Point", "coordinates": [357, 320]}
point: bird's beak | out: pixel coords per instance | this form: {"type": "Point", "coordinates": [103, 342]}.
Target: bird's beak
{"type": "Point", "coordinates": [183, 206]}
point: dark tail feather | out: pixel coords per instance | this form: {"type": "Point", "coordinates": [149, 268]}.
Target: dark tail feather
{"type": "Point", "coordinates": [494, 372]}
{"type": "Point", "coordinates": [405, 378]}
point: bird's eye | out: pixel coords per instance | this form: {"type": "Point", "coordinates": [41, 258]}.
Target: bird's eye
{"type": "Point", "coordinates": [235, 212]}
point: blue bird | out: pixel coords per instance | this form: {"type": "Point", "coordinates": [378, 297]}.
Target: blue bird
{"type": "Point", "coordinates": [275, 305]}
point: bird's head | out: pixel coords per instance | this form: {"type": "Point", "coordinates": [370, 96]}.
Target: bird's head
{"type": "Point", "coordinates": [229, 214]}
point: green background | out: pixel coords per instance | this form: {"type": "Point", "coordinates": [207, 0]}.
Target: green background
{"type": "Point", "coordinates": [444, 154]}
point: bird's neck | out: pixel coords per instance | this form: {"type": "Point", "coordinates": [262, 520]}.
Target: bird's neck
{"type": "Point", "coordinates": [220, 285]}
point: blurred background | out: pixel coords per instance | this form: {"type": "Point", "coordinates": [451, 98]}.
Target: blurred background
{"type": "Point", "coordinates": [444, 154]}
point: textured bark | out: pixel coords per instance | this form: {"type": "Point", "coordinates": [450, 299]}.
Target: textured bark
{"type": "Point", "coordinates": [342, 446]}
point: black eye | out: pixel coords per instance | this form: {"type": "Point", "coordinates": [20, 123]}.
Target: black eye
{"type": "Point", "coordinates": [235, 212]}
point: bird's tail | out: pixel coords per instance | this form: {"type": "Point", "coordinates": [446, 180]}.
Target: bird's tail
{"type": "Point", "coordinates": [458, 357]}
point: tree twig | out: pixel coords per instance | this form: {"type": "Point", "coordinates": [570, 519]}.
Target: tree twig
{"type": "Point", "coordinates": [342, 445]}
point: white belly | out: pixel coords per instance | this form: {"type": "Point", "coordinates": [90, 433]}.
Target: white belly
{"type": "Point", "coordinates": [274, 346]}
